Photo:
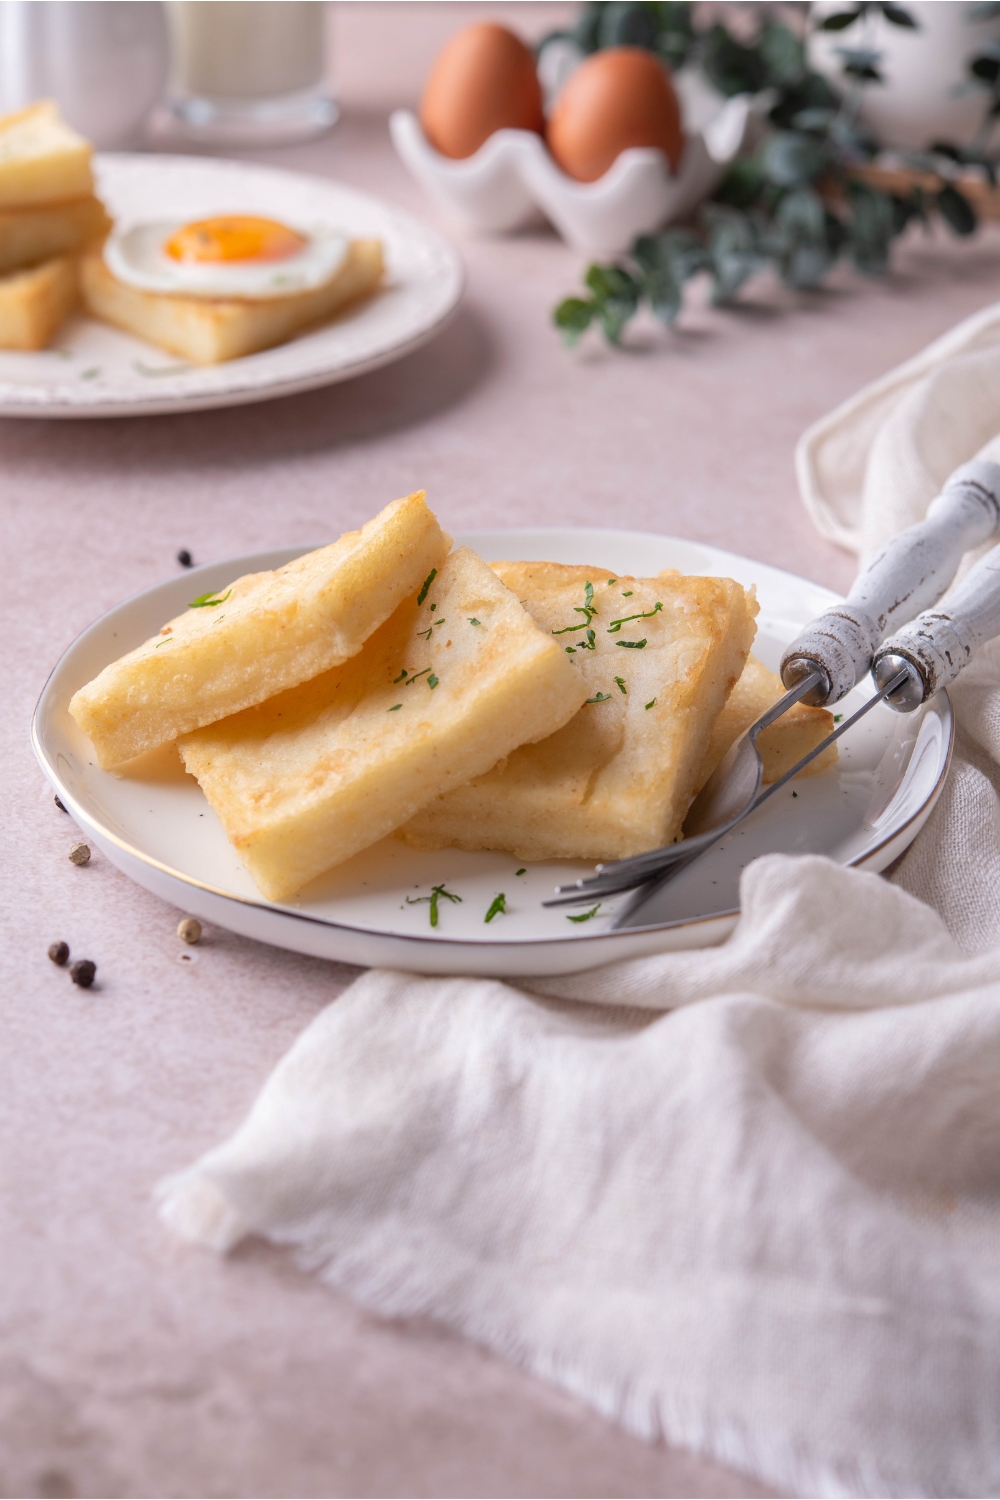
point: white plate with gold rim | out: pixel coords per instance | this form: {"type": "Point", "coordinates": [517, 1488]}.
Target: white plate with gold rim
{"type": "Point", "coordinates": [94, 370]}
{"type": "Point", "coordinates": [155, 824]}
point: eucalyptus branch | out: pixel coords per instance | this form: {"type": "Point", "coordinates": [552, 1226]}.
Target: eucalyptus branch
{"type": "Point", "coordinates": [807, 197]}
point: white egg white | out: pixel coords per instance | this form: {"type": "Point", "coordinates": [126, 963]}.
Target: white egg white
{"type": "Point", "coordinates": [136, 256]}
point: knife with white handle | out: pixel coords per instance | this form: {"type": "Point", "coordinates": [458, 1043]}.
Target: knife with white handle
{"type": "Point", "coordinates": [827, 661]}
{"type": "Point", "coordinates": [938, 644]}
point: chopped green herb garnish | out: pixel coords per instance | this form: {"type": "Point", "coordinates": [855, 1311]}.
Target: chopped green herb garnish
{"type": "Point", "coordinates": [433, 607]}
{"type": "Point", "coordinates": [628, 593]}
{"type": "Point", "coordinates": [616, 625]}
{"type": "Point", "coordinates": [621, 685]}
{"type": "Point", "coordinates": [651, 703]}
{"type": "Point", "coordinates": [433, 681]}
{"type": "Point", "coordinates": [837, 718]}
{"type": "Point", "coordinates": [163, 643]}
{"type": "Point", "coordinates": [427, 633]}
{"type": "Point", "coordinates": [426, 585]}
{"type": "Point", "coordinates": [404, 673]}
{"type": "Point", "coordinates": [585, 916]}
{"type": "Point", "coordinates": [601, 698]}
{"type": "Point", "coordinates": [611, 581]}
{"type": "Point", "coordinates": [795, 794]}
{"type": "Point", "coordinates": [473, 620]}
{"type": "Point", "coordinates": [416, 677]}
{"type": "Point", "coordinates": [209, 601]}
{"type": "Point", "coordinates": [587, 609]}
{"type": "Point", "coordinates": [497, 908]}
{"type": "Point", "coordinates": [589, 644]}
{"type": "Point", "coordinates": [632, 645]}
{"type": "Point", "coordinates": [392, 710]}
{"type": "Point", "coordinates": [570, 650]}
{"type": "Point", "coordinates": [438, 893]}
{"type": "Point", "coordinates": [521, 871]}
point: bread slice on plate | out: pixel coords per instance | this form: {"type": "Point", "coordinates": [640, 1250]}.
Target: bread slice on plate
{"type": "Point", "coordinates": [41, 159]}
{"type": "Point", "coordinates": [35, 303]}
{"type": "Point", "coordinates": [261, 634]}
{"type": "Point", "coordinates": [29, 235]}
{"type": "Point", "coordinates": [459, 676]}
{"type": "Point", "coordinates": [660, 657]}
{"type": "Point", "coordinates": [209, 330]}
{"type": "Point", "coordinates": [786, 741]}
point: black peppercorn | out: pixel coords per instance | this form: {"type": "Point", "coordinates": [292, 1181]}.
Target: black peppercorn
{"type": "Point", "coordinates": [58, 804]}
{"type": "Point", "coordinates": [184, 558]}
{"type": "Point", "coordinates": [59, 953]}
{"type": "Point", "coordinates": [82, 972]}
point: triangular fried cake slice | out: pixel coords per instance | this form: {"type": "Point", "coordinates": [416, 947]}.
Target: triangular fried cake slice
{"type": "Point", "coordinates": [660, 657]}
{"type": "Point", "coordinates": [459, 676]}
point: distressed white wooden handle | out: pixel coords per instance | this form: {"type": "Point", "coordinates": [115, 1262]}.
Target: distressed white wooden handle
{"type": "Point", "coordinates": [908, 575]}
{"type": "Point", "coordinates": [940, 642]}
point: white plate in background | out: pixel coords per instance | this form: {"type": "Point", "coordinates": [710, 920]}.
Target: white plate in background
{"type": "Point", "coordinates": [159, 829]}
{"type": "Point", "coordinates": [94, 370]}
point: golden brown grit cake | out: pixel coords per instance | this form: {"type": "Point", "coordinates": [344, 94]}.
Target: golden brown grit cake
{"type": "Point", "coordinates": [458, 676]}
{"type": "Point", "coordinates": [793, 735]}
{"type": "Point", "coordinates": [41, 159]}
{"type": "Point", "coordinates": [620, 776]}
{"type": "Point", "coordinates": [34, 303]}
{"type": "Point", "coordinates": [261, 635]}
{"type": "Point", "coordinates": [30, 235]}
{"type": "Point", "coordinates": [208, 330]}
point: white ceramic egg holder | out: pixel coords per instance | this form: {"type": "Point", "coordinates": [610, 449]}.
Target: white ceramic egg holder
{"type": "Point", "coordinates": [512, 177]}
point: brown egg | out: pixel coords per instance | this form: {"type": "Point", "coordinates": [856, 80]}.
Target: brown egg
{"type": "Point", "coordinates": [484, 80]}
{"type": "Point", "coordinates": [618, 98]}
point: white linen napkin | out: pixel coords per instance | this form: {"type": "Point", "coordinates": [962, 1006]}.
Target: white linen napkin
{"type": "Point", "coordinates": [747, 1198]}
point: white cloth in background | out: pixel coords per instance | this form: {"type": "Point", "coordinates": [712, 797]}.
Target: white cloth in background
{"type": "Point", "coordinates": [747, 1198]}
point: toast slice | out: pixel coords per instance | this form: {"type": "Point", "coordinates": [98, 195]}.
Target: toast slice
{"type": "Point", "coordinates": [263, 634]}
{"type": "Point", "coordinates": [209, 330]}
{"type": "Point", "coordinates": [793, 735]}
{"type": "Point", "coordinates": [35, 303]}
{"type": "Point", "coordinates": [41, 159]}
{"type": "Point", "coordinates": [619, 778]}
{"type": "Point", "coordinates": [457, 677]}
{"type": "Point", "coordinates": [29, 235]}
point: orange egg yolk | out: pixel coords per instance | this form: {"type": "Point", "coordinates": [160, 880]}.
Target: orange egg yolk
{"type": "Point", "coordinates": [238, 237]}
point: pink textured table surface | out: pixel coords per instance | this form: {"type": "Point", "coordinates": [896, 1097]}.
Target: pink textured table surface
{"type": "Point", "coordinates": [127, 1364]}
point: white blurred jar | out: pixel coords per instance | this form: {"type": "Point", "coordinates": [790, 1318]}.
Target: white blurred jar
{"type": "Point", "coordinates": [104, 63]}
{"type": "Point", "coordinates": [250, 70]}
{"type": "Point", "coordinates": [924, 97]}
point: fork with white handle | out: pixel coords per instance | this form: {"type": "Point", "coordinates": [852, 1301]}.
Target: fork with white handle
{"type": "Point", "coordinates": [834, 652]}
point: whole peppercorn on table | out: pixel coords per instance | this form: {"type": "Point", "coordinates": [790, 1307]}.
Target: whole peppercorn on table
{"type": "Point", "coordinates": [133, 1366]}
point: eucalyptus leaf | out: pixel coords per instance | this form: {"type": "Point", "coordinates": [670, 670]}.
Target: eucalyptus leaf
{"type": "Point", "coordinates": [782, 53]}
{"type": "Point", "coordinates": [627, 23]}
{"type": "Point", "coordinates": [871, 228]}
{"type": "Point", "coordinates": [574, 317]}
{"type": "Point", "coordinates": [729, 66]}
{"type": "Point", "coordinates": [806, 265]}
{"type": "Point", "coordinates": [816, 118]}
{"type": "Point", "coordinates": [801, 211]}
{"type": "Point", "coordinates": [791, 159]}
{"type": "Point", "coordinates": [956, 210]}
{"type": "Point", "coordinates": [585, 32]}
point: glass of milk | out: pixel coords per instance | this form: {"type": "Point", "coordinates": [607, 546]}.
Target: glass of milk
{"type": "Point", "coordinates": [249, 72]}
